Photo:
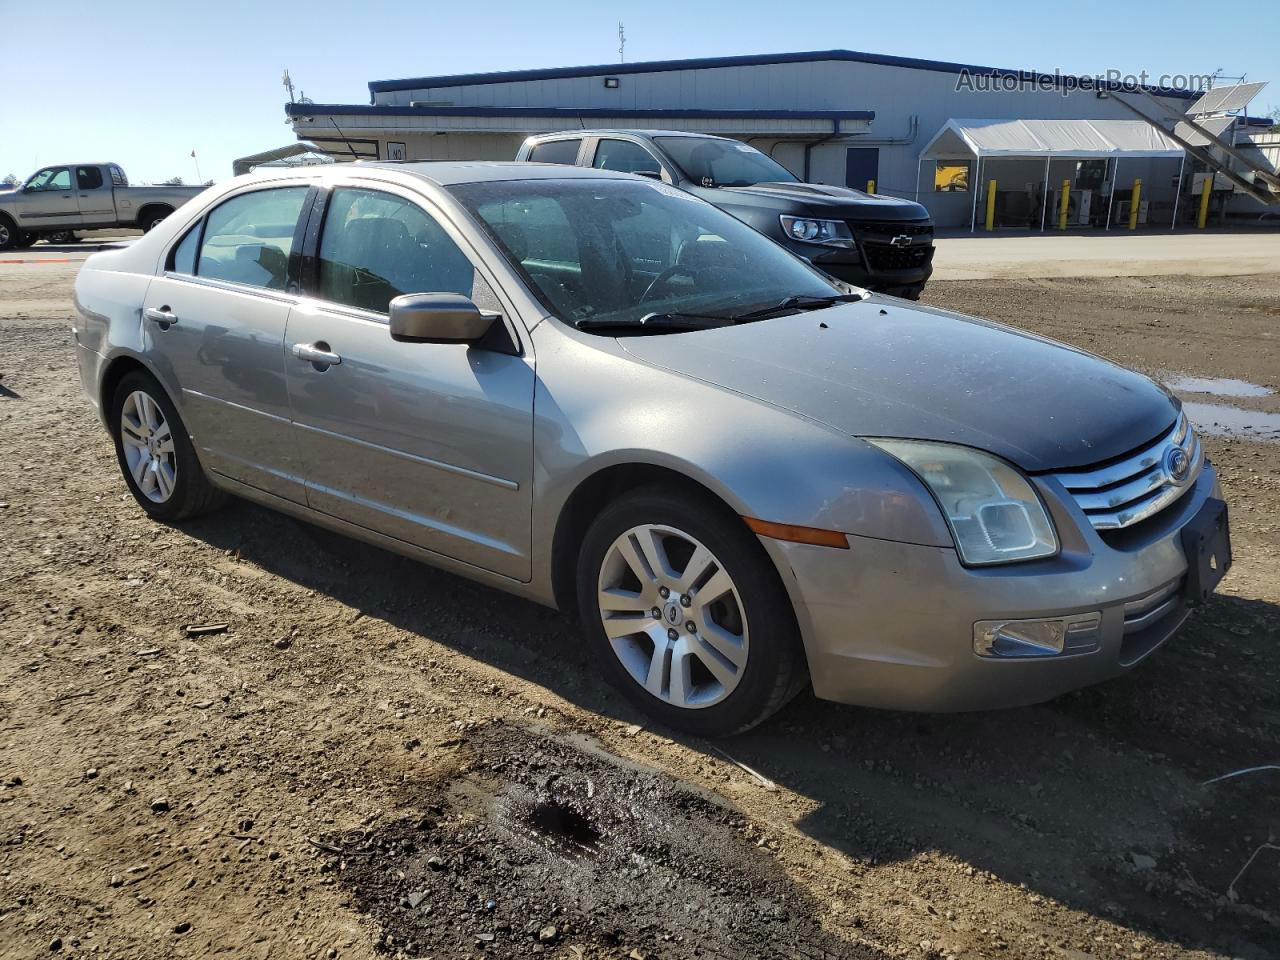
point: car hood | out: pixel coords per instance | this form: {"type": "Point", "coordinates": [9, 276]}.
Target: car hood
{"type": "Point", "coordinates": [852, 204]}
{"type": "Point", "coordinates": [879, 368]}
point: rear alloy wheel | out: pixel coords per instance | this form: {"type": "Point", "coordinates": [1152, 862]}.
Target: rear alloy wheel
{"type": "Point", "coordinates": [152, 220]}
{"type": "Point", "coordinates": [8, 234]}
{"type": "Point", "coordinates": [686, 613]}
{"type": "Point", "coordinates": [155, 454]}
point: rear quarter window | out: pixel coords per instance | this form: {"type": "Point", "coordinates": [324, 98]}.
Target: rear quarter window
{"type": "Point", "coordinates": [556, 151]}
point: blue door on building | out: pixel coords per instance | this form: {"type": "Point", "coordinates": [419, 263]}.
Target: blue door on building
{"type": "Point", "coordinates": [860, 165]}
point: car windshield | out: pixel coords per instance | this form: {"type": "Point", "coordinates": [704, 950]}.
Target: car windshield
{"type": "Point", "coordinates": [619, 253]}
{"type": "Point", "coordinates": [723, 163]}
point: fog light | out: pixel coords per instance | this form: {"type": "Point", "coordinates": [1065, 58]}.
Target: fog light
{"type": "Point", "coordinates": [1037, 638]}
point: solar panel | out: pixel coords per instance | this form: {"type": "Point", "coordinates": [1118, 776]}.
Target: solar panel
{"type": "Point", "coordinates": [1215, 125]}
{"type": "Point", "coordinates": [1225, 99]}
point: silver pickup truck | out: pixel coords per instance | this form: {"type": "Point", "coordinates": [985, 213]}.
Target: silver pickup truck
{"type": "Point", "coordinates": [56, 201]}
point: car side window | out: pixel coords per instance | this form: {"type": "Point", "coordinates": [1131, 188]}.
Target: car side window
{"type": "Point", "coordinates": [248, 238]}
{"type": "Point", "coordinates": [375, 246]}
{"type": "Point", "coordinates": [556, 151]}
{"type": "Point", "coordinates": [118, 179]}
{"type": "Point", "coordinates": [624, 156]}
{"type": "Point", "coordinates": [52, 178]}
{"type": "Point", "coordinates": [183, 258]}
{"type": "Point", "coordinates": [89, 178]}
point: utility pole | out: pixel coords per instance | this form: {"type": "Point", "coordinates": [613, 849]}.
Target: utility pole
{"type": "Point", "coordinates": [622, 43]}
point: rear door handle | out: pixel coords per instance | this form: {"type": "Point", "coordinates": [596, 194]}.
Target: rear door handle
{"type": "Point", "coordinates": [316, 353]}
{"type": "Point", "coordinates": [161, 315]}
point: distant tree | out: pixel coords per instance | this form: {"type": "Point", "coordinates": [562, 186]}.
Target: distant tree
{"type": "Point", "coordinates": [10, 181]}
{"type": "Point", "coordinates": [172, 182]}
{"type": "Point", "coordinates": [1274, 114]}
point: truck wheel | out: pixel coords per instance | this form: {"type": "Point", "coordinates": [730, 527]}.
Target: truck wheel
{"type": "Point", "coordinates": [8, 234]}
{"type": "Point", "coordinates": [149, 220]}
{"type": "Point", "coordinates": [61, 236]}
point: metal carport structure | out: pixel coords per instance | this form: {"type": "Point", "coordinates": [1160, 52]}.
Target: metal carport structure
{"type": "Point", "coordinates": [1096, 139]}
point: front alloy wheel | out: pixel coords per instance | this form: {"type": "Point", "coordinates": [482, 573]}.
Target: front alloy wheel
{"type": "Point", "coordinates": [685, 611]}
{"type": "Point", "coordinates": [149, 451]}
{"type": "Point", "coordinates": [673, 616]}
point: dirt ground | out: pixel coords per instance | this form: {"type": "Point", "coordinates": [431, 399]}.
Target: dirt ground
{"type": "Point", "coordinates": [376, 758]}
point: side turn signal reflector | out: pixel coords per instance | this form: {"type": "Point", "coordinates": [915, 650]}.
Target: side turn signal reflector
{"type": "Point", "coordinates": [788, 531]}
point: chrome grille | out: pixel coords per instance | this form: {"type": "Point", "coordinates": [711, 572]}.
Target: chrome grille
{"type": "Point", "coordinates": [1138, 486]}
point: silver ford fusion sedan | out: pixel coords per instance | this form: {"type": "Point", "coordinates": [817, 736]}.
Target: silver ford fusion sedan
{"type": "Point", "coordinates": [606, 395]}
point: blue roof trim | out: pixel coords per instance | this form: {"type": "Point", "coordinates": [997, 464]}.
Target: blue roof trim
{"type": "Point", "coordinates": [386, 110]}
{"type": "Point", "coordinates": [701, 63]}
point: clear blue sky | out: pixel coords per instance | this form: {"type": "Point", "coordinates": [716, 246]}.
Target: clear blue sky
{"type": "Point", "coordinates": [144, 83]}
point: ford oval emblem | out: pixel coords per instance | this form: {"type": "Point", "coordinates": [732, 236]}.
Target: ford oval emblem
{"type": "Point", "coordinates": [1177, 464]}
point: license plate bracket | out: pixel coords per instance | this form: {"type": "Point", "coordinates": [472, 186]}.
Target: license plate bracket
{"type": "Point", "coordinates": [1207, 542]}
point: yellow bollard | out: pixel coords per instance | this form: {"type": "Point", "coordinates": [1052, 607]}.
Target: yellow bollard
{"type": "Point", "coordinates": [1062, 206]}
{"type": "Point", "coordinates": [1206, 190]}
{"type": "Point", "coordinates": [871, 186]}
{"type": "Point", "coordinates": [991, 205]}
{"type": "Point", "coordinates": [1133, 204]}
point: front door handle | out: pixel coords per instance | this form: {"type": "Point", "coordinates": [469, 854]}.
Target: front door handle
{"type": "Point", "coordinates": [317, 353]}
{"type": "Point", "coordinates": [161, 315]}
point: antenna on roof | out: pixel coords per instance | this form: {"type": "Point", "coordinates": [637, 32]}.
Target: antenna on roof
{"type": "Point", "coordinates": [622, 43]}
{"type": "Point", "coordinates": [288, 84]}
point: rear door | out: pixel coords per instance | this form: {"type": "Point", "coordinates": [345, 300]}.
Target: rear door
{"type": "Point", "coordinates": [49, 200]}
{"type": "Point", "coordinates": [428, 443]}
{"type": "Point", "coordinates": [214, 325]}
{"type": "Point", "coordinates": [94, 195]}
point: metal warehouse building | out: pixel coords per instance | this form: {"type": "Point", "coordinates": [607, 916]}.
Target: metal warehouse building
{"type": "Point", "coordinates": [922, 129]}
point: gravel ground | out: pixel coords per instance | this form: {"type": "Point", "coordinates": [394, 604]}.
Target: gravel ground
{"type": "Point", "coordinates": [375, 758]}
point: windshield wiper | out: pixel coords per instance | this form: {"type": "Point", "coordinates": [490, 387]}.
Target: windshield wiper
{"type": "Point", "coordinates": [661, 321]}
{"type": "Point", "coordinates": [799, 302]}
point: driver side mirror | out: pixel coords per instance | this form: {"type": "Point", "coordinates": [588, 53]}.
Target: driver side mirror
{"type": "Point", "coordinates": [437, 318]}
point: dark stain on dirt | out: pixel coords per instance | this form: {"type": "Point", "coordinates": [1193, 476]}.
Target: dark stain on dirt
{"type": "Point", "coordinates": [547, 846]}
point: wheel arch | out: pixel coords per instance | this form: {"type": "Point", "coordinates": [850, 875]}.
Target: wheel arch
{"type": "Point", "coordinates": [587, 499]}
{"type": "Point", "coordinates": [150, 208]}
{"type": "Point", "coordinates": [117, 368]}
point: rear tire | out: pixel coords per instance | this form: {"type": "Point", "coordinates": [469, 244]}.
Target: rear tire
{"type": "Point", "coordinates": [149, 220]}
{"type": "Point", "coordinates": [155, 452]}
{"type": "Point", "coordinates": [8, 234]}
{"type": "Point", "coordinates": [60, 237]}
{"type": "Point", "coordinates": [723, 652]}
{"type": "Point", "coordinates": [26, 240]}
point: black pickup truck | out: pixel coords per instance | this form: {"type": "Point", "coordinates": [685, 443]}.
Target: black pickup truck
{"type": "Point", "coordinates": [881, 243]}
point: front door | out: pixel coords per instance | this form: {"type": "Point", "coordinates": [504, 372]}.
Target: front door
{"type": "Point", "coordinates": [861, 165]}
{"type": "Point", "coordinates": [96, 201]}
{"type": "Point", "coordinates": [214, 324]}
{"type": "Point", "coordinates": [428, 443]}
{"type": "Point", "coordinates": [49, 200]}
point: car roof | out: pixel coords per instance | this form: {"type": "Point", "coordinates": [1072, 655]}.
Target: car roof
{"type": "Point", "coordinates": [630, 131]}
{"type": "Point", "coordinates": [448, 172]}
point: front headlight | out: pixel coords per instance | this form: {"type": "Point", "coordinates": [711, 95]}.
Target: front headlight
{"type": "Point", "coordinates": [994, 514]}
{"type": "Point", "coordinates": [831, 233]}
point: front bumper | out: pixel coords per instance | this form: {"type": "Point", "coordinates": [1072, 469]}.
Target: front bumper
{"type": "Point", "coordinates": [862, 267]}
{"type": "Point", "coordinates": [889, 624]}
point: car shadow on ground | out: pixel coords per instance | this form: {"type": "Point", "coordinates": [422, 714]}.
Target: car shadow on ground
{"type": "Point", "coordinates": [1095, 800]}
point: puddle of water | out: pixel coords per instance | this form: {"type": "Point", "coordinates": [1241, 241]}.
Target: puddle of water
{"type": "Point", "coordinates": [1219, 386]}
{"type": "Point", "coordinates": [1225, 421]}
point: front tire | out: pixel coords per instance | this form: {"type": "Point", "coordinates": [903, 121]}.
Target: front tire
{"type": "Point", "coordinates": [155, 453]}
{"type": "Point", "coordinates": [26, 240]}
{"type": "Point", "coordinates": [686, 614]}
{"type": "Point", "coordinates": [61, 237]}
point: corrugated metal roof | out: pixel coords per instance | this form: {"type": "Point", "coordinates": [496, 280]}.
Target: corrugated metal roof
{"type": "Point", "coordinates": [704, 63]}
